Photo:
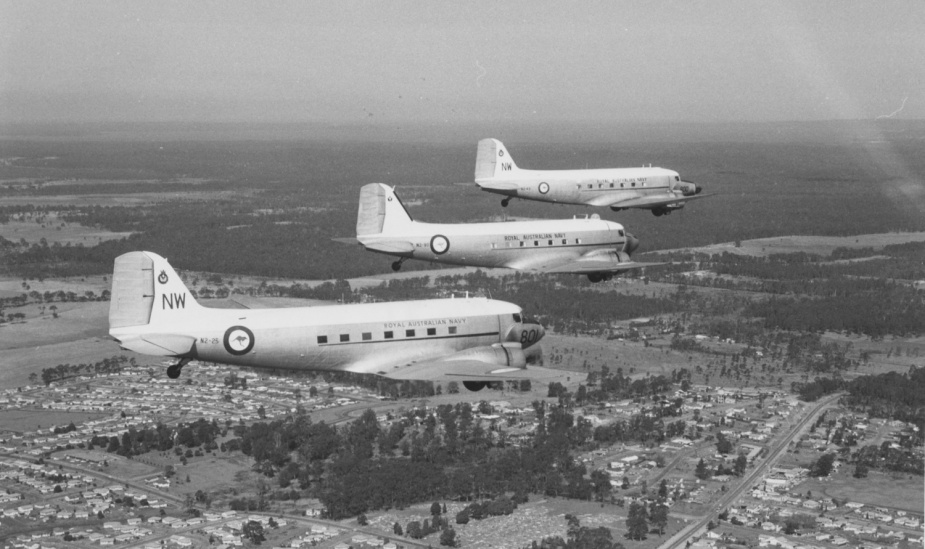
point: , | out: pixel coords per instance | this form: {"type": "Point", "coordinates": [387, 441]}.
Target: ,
{"type": "Point", "coordinates": [473, 340]}
{"type": "Point", "coordinates": [657, 189]}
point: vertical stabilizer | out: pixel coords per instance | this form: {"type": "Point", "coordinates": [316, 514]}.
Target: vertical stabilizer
{"type": "Point", "coordinates": [146, 290]}
{"type": "Point", "coordinates": [492, 161]}
{"type": "Point", "coordinates": [380, 211]}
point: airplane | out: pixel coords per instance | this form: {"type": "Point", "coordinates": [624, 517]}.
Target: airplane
{"type": "Point", "coordinates": [657, 189]}
{"type": "Point", "coordinates": [589, 246]}
{"type": "Point", "coordinates": [475, 341]}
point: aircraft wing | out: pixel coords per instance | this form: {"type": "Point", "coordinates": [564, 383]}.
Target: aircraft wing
{"type": "Point", "coordinates": [470, 370]}
{"type": "Point", "coordinates": [645, 201]}
{"type": "Point", "coordinates": [597, 265]}
{"type": "Point", "coordinates": [496, 362]}
{"type": "Point", "coordinates": [609, 198]}
{"type": "Point", "coordinates": [595, 262]}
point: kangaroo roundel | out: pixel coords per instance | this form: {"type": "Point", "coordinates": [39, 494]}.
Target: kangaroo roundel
{"type": "Point", "coordinates": [238, 340]}
{"type": "Point", "coordinates": [439, 244]}
{"type": "Point", "coordinates": [544, 187]}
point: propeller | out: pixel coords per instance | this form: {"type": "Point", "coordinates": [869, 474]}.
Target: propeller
{"type": "Point", "coordinates": [631, 244]}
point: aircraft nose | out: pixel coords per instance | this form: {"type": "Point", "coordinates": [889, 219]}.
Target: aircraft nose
{"type": "Point", "coordinates": [631, 244]}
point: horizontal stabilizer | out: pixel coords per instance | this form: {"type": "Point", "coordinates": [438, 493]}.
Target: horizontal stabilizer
{"type": "Point", "coordinates": [346, 240]}
{"type": "Point", "coordinates": [402, 247]}
{"type": "Point", "coordinates": [497, 185]}
{"type": "Point", "coordinates": [159, 344]}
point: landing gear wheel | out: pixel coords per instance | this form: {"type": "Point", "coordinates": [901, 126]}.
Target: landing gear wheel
{"type": "Point", "coordinates": [475, 385]}
{"type": "Point", "coordinates": [396, 266]}
{"type": "Point", "coordinates": [595, 277]}
{"type": "Point", "coordinates": [658, 213]}
{"type": "Point", "coordinates": [505, 202]}
{"type": "Point", "coordinates": [173, 372]}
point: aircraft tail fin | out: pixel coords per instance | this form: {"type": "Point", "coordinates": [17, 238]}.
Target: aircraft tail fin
{"type": "Point", "coordinates": [380, 211]}
{"type": "Point", "coordinates": [492, 161]}
{"type": "Point", "coordinates": [146, 290]}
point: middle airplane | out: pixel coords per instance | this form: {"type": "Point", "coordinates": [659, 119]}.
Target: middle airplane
{"type": "Point", "coordinates": [589, 246]}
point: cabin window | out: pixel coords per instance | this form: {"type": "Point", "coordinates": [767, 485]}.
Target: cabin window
{"type": "Point", "coordinates": [344, 338]}
{"type": "Point", "coordinates": [633, 183]}
{"type": "Point", "coordinates": [550, 242]}
{"type": "Point", "coordinates": [522, 243]}
{"type": "Point", "coordinates": [621, 185]}
{"type": "Point", "coordinates": [493, 245]}
{"type": "Point", "coordinates": [388, 335]}
{"type": "Point", "coordinates": [600, 185]}
{"type": "Point", "coordinates": [517, 317]}
{"type": "Point", "coordinates": [431, 331]}
{"type": "Point", "coordinates": [590, 186]}
{"type": "Point", "coordinates": [322, 339]}
{"type": "Point", "coordinates": [611, 185]}
{"type": "Point", "coordinates": [452, 330]}
{"type": "Point", "coordinates": [367, 336]}
{"type": "Point", "coordinates": [536, 242]}
{"type": "Point", "coordinates": [577, 241]}
{"type": "Point", "coordinates": [578, 186]}
{"type": "Point", "coordinates": [565, 241]}
{"type": "Point", "coordinates": [409, 333]}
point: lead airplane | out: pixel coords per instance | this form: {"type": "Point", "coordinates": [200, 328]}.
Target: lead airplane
{"type": "Point", "coordinates": [589, 246]}
{"type": "Point", "coordinates": [657, 189]}
{"type": "Point", "coordinates": [473, 340]}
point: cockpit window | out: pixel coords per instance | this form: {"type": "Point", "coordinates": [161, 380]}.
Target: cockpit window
{"type": "Point", "coordinates": [517, 318]}
{"type": "Point", "coordinates": [676, 178]}
{"type": "Point", "coordinates": [620, 232]}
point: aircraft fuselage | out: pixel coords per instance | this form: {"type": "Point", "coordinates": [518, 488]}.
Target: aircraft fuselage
{"type": "Point", "coordinates": [337, 337]}
{"type": "Point", "coordinates": [505, 245]}
{"type": "Point", "coordinates": [585, 187]}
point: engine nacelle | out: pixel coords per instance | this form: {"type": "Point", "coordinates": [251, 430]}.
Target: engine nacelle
{"type": "Point", "coordinates": [510, 355]}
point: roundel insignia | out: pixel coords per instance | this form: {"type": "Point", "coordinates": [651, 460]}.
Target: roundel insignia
{"type": "Point", "coordinates": [544, 187]}
{"type": "Point", "coordinates": [501, 152]}
{"type": "Point", "coordinates": [162, 278]}
{"type": "Point", "coordinates": [238, 340]}
{"type": "Point", "coordinates": [439, 244]}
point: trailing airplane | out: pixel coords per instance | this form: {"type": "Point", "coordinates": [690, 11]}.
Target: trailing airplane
{"type": "Point", "coordinates": [655, 189]}
{"type": "Point", "coordinates": [473, 340]}
{"type": "Point", "coordinates": [589, 246]}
